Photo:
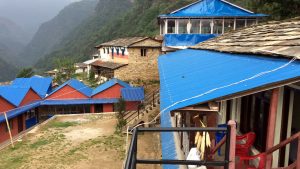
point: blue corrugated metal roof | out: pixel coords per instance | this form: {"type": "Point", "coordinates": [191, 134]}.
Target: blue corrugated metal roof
{"type": "Point", "coordinates": [41, 85]}
{"type": "Point", "coordinates": [185, 40]}
{"type": "Point", "coordinates": [78, 101]}
{"type": "Point", "coordinates": [168, 141]}
{"type": "Point", "coordinates": [133, 93]}
{"type": "Point", "coordinates": [77, 85]}
{"type": "Point", "coordinates": [212, 8]}
{"type": "Point", "coordinates": [195, 76]}
{"type": "Point", "coordinates": [14, 94]}
{"type": "Point", "coordinates": [109, 84]}
{"type": "Point", "coordinates": [14, 113]}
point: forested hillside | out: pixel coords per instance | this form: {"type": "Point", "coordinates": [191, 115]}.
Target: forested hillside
{"type": "Point", "coordinates": [7, 71]}
{"type": "Point", "coordinates": [51, 33]}
{"type": "Point", "coordinates": [114, 18]}
{"type": "Point", "coordinates": [277, 9]}
{"type": "Point", "coordinates": [120, 18]}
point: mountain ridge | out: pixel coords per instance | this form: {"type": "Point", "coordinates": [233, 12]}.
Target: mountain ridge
{"type": "Point", "coordinates": [50, 33]}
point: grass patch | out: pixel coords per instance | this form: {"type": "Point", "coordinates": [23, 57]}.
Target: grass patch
{"type": "Point", "coordinates": [58, 124]}
{"type": "Point", "coordinates": [39, 143]}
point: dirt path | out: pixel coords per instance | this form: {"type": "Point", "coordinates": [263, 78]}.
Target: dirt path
{"type": "Point", "coordinates": [68, 142]}
{"type": "Point", "coordinates": [77, 142]}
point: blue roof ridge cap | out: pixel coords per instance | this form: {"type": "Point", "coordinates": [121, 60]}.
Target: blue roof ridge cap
{"type": "Point", "coordinates": [223, 8]}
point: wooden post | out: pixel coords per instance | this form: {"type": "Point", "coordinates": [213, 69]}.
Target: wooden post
{"type": "Point", "coordinates": [298, 154]}
{"type": "Point", "coordinates": [271, 126]}
{"type": "Point", "coordinates": [9, 131]}
{"type": "Point", "coordinates": [232, 124]}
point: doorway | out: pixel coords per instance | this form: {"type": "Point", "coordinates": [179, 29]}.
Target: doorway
{"type": "Point", "coordinates": [20, 124]}
{"type": "Point", "coordinates": [99, 108]}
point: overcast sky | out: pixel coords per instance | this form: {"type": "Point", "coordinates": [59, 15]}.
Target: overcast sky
{"type": "Point", "coordinates": [29, 14]}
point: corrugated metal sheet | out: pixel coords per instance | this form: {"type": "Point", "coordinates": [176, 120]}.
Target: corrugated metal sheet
{"type": "Point", "coordinates": [78, 101]}
{"type": "Point", "coordinates": [185, 40]}
{"type": "Point", "coordinates": [168, 141]}
{"type": "Point", "coordinates": [79, 86]}
{"type": "Point", "coordinates": [195, 76]}
{"type": "Point", "coordinates": [212, 8]}
{"type": "Point", "coordinates": [133, 93]}
{"type": "Point", "coordinates": [16, 112]}
{"type": "Point", "coordinates": [41, 85]}
{"type": "Point", "coordinates": [109, 84]}
{"type": "Point", "coordinates": [14, 94]}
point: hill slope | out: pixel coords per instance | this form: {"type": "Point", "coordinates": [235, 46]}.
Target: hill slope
{"type": "Point", "coordinates": [112, 21]}
{"type": "Point", "coordinates": [51, 33]}
{"type": "Point", "coordinates": [12, 40]}
{"type": "Point", "coordinates": [8, 71]}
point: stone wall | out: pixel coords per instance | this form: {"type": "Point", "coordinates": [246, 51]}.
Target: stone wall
{"type": "Point", "coordinates": [140, 67]}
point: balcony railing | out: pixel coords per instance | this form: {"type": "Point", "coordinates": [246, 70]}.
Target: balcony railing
{"type": "Point", "coordinates": [132, 160]}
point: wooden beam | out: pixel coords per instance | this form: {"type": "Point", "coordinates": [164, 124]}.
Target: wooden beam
{"type": "Point", "coordinates": [9, 131]}
{"type": "Point", "coordinates": [272, 125]}
{"type": "Point", "coordinates": [298, 154]}
{"type": "Point", "coordinates": [232, 144]}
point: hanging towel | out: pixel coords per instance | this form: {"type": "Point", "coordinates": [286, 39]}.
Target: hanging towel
{"type": "Point", "coordinates": [194, 154]}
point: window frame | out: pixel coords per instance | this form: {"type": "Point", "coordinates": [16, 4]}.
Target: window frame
{"type": "Point", "coordinates": [143, 52]}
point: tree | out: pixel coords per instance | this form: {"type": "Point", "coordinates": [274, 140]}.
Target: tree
{"type": "Point", "coordinates": [25, 72]}
{"type": "Point", "coordinates": [120, 108]}
{"type": "Point", "coordinates": [66, 69]}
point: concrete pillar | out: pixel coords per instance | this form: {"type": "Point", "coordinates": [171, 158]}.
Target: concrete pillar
{"type": "Point", "coordinates": [272, 125]}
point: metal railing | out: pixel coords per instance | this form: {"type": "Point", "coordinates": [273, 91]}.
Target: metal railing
{"type": "Point", "coordinates": [132, 160]}
{"type": "Point", "coordinates": [149, 100]}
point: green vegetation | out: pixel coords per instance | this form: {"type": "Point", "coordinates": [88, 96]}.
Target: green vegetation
{"type": "Point", "coordinates": [25, 72]}
{"type": "Point", "coordinates": [56, 149]}
{"type": "Point", "coordinates": [120, 107]}
{"type": "Point", "coordinates": [277, 9]}
{"type": "Point", "coordinates": [58, 124]}
{"type": "Point", "coordinates": [122, 18]}
{"type": "Point", "coordinates": [51, 33]}
{"type": "Point", "coordinates": [66, 70]}
{"type": "Point", "coordinates": [113, 19]}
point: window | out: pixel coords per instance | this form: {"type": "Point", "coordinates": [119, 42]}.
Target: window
{"type": "Point", "coordinates": [195, 26]}
{"type": "Point", "coordinates": [104, 50]}
{"type": "Point", "coordinates": [107, 50]}
{"type": "Point", "coordinates": [254, 117]}
{"type": "Point", "coordinates": [112, 51]}
{"type": "Point", "coordinates": [123, 52]}
{"type": "Point", "coordinates": [206, 26]}
{"type": "Point", "coordinates": [240, 23]}
{"type": "Point", "coordinates": [143, 52]}
{"type": "Point", "coordinates": [182, 26]}
{"type": "Point", "coordinates": [228, 25]}
{"type": "Point", "coordinates": [171, 26]}
{"type": "Point", "coordinates": [118, 51]}
{"type": "Point", "coordinates": [10, 122]}
{"type": "Point", "coordinates": [218, 26]}
{"type": "Point", "coordinates": [162, 27]}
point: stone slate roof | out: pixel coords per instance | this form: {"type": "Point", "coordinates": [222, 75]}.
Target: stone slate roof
{"type": "Point", "coordinates": [276, 38]}
{"type": "Point", "coordinates": [109, 65]}
{"type": "Point", "coordinates": [122, 42]}
{"type": "Point", "coordinates": [81, 65]}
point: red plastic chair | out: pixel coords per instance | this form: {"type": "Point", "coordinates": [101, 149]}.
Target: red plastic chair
{"type": "Point", "coordinates": [244, 161]}
{"type": "Point", "coordinates": [244, 144]}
